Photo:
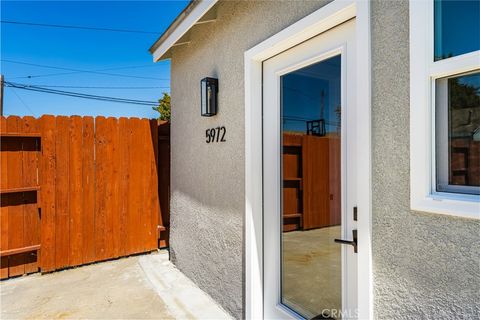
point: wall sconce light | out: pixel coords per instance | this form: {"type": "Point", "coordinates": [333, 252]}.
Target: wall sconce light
{"type": "Point", "coordinates": [208, 92]}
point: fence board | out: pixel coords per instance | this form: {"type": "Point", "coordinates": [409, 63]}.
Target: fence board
{"type": "Point", "coordinates": [47, 194]}
{"type": "Point", "coordinates": [114, 205]}
{"type": "Point", "coordinates": [131, 167]}
{"type": "Point", "coordinates": [145, 184]}
{"type": "Point", "coordinates": [152, 154]}
{"type": "Point", "coordinates": [62, 230]}
{"type": "Point", "coordinates": [31, 219]}
{"type": "Point", "coordinates": [3, 207]}
{"type": "Point", "coordinates": [141, 209]}
{"type": "Point", "coordinates": [108, 171]}
{"type": "Point", "coordinates": [75, 192]}
{"type": "Point", "coordinates": [163, 168]}
{"type": "Point", "coordinates": [123, 155]}
{"type": "Point", "coordinates": [100, 188]}
{"type": "Point", "coordinates": [15, 211]}
{"type": "Point", "coordinates": [88, 175]}
{"type": "Point", "coordinates": [134, 194]}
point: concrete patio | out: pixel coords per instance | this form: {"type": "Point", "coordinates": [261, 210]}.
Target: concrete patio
{"type": "Point", "coordinates": [312, 270]}
{"type": "Point", "coordinates": [138, 287]}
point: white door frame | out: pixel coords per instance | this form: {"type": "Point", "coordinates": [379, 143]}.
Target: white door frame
{"type": "Point", "coordinates": [319, 21]}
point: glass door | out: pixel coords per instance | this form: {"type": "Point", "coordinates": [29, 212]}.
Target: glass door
{"type": "Point", "coordinates": [311, 264]}
{"type": "Point", "coordinates": [309, 179]}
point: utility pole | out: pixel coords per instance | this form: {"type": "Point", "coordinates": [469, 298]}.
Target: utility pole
{"type": "Point", "coordinates": [1, 95]}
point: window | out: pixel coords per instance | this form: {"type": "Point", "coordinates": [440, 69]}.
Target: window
{"type": "Point", "coordinates": [457, 29]}
{"type": "Point", "coordinates": [445, 106]}
{"type": "Point", "coordinates": [457, 133]}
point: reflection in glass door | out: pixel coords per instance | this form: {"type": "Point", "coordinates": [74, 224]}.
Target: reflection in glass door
{"type": "Point", "coordinates": [311, 269]}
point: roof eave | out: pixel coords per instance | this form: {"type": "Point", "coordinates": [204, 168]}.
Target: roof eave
{"type": "Point", "coordinates": [179, 27]}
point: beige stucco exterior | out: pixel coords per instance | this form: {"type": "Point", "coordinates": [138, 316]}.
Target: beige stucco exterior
{"type": "Point", "coordinates": [424, 265]}
{"type": "Point", "coordinates": [207, 191]}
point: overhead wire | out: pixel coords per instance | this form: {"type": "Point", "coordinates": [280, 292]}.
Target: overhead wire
{"type": "Point", "coordinates": [78, 70]}
{"type": "Point", "coordinates": [75, 72]}
{"type": "Point", "coordinates": [77, 27]}
{"type": "Point", "coordinates": [45, 89]}
{"type": "Point", "coordinates": [300, 119]}
{"type": "Point", "coordinates": [22, 102]}
{"type": "Point", "coordinates": [98, 87]}
{"type": "Point", "coordinates": [79, 94]}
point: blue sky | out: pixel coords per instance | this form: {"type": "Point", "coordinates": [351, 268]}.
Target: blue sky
{"type": "Point", "coordinates": [302, 91]}
{"type": "Point", "coordinates": [86, 50]}
{"type": "Point", "coordinates": [456, 27]}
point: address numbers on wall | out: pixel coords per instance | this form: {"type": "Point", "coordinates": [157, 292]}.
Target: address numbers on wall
{"type": "Point", "coordinates": [214, 135]}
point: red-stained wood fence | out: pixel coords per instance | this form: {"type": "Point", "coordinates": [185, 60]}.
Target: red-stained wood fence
{"type": "Point", "coordinates": [164, 182]}
{"type": "Point", "coordinates": [90, 191]}
{"type": "Point", "coordinates": [19, 185]}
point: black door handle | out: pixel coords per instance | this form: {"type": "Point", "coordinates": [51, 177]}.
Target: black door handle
{"type": "Point", "coordinates": [353, 242]}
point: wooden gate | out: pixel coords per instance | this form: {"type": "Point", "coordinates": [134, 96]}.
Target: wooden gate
{"type": "Point", "coordinates": [19, 185]}
{"type": "Point", "coordinates": [97, 185]}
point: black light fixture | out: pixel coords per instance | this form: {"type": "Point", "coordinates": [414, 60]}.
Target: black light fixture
{"type": "Point", "coordinates": [208, 92]}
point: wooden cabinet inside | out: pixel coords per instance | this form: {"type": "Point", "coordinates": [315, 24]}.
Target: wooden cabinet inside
{"type": "Point", "coordinates": [311, 181]}
{"type": "Point", "coordinates": [292, 182]}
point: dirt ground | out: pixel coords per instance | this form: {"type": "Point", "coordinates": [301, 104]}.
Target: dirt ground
{"type": "Point", "coordinates": [139, 287]}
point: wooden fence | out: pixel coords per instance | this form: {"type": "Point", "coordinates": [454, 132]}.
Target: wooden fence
{"type": "Point", "coordinates": [91, 191]}
{"type": "Point", "coordinates": [311, 181]}
{"type": "Point", "coordinates": [164, 181]}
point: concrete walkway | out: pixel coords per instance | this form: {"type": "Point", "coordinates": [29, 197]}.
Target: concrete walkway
{"type": "Point", "coordinates": [141, 287]}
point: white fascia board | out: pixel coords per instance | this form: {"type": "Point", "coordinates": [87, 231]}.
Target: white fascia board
{"type": "Point", "coordinates": [182, 28]}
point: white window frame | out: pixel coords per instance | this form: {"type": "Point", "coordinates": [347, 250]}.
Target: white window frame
{"type": "Point", "coordinates": [423, 73]}
{"type": "Point", "coordinates": [442, 143]}
{"type": "Point", "coordinates": [319, 21]}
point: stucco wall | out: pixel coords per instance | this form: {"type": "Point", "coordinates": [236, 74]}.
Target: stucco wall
{"type": "Point", "coordinates": [207, 188]}
{"type": "Point", "coordinates": [425, 266]}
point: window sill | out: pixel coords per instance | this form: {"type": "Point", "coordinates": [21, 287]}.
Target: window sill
{"type": "Point", "coordinates": [464, 206]}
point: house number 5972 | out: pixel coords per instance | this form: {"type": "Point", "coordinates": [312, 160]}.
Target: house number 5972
{"type": "Point", "coordinates": [215, 134]}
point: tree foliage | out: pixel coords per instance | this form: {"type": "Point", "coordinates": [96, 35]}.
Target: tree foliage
{"type": "Point", "coordinates": [463, 95]}
{"type": "Point", "coordinates": [163, 107]}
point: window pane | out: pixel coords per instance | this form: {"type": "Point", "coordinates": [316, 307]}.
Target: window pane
{"type": "Point", "coordinates": [311, 191]}
{"type": "Point", "coordinates": [458, 134]}
{"type": "Point", "coordinates": [457, 27]}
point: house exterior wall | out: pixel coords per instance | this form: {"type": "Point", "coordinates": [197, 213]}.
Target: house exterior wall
{"type": "Point", "coordinates": [425, 266]}
{"type": "Point", "coordinates": [207, 180]}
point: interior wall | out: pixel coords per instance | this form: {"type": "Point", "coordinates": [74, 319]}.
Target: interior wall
{"type": "Point", "coordinates": [426, 266]}
{"type": "Point", "coordinates": [207, 180]}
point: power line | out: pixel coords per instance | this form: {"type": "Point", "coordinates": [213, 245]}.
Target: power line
{"type": "Point", "coordinates": [76, 27]}
{"type": "Point", "coordinates": [23, 102]}
{"type": "Point", "coordinates": [95, 87]}
{"type": "Point", "coordinates": [300, 119]}
{"type": "Point", "coordinates": [75, 72]}
{"type": "Point", "coordinates": [79, 70]}
{"type": "Point", "coordinates": [79, 94]}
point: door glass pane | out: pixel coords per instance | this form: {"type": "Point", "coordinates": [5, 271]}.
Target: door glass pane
{"type": "Point", "coordinates": [457, 27]}
{"type": "Point", "coordinates": [311, 192]}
